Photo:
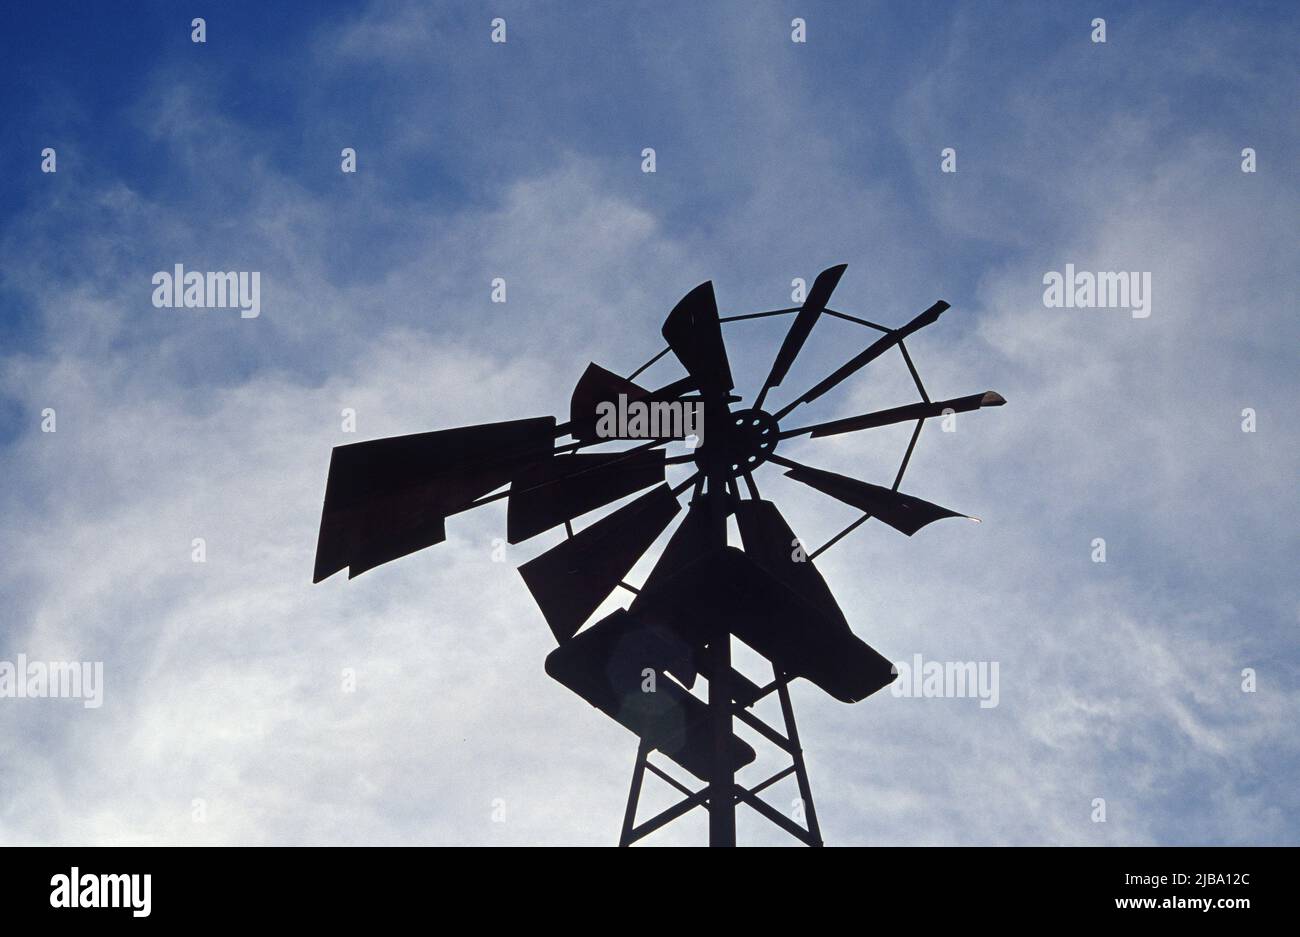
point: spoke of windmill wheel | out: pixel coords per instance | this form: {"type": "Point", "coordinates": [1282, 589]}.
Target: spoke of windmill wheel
{"type": "Point", "coordinates": [760, 315]}
{"type": "Point", "coordinates": [904, 513]}
{"type": "Point", "coordinates": [863, 358]}
{"type": "Point", "coordinates": [854, 525]}
{"type": "Point", "coordinates": [857, 319]}
{"type": "Point", "coordinates": [907, 456]}
{"type": "Point", "coordinates": [913, 411]}
{"type": "Point", "coordinates": [802, 326]}
{"type": "Point", "coordinates": [911, 369]}
{"type": "Point", "coordinates": [635, 374]}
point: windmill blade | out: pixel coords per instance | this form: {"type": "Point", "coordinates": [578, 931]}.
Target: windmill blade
{"type": "Point", "coordinates": [770, 543]}
{"type": "Point", "coordinates": [563, 487]}
{"type": "Point", "coordinates": [606, 665]}
{"type": "Point", "coordinates": [570, 580]}
{"type": "Point", "coordinates": [902, 512]}
{"type": "Point", "coordinates": [599, 389]}
{"type": "Point", "coordinates": [836, 659]}
{"type": "Point", "coordinates": [596, 386]}
{"type": "Point", "coordinates": [872, 352]}
{"type": "Point", "coordinates": [690, 541]}
{"type": "Point", "coordinates": [730, 586]}
{"type": "Point", "coordinates": [814, 303]}
{"type": "Point", "coordinates": [694, 333]}
{"type": "Point", "coordinates": [386, 498]}
{"type": "Point", "coordinates": [914, 411]}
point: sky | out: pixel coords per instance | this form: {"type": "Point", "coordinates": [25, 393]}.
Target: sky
{"type": "Point", "coordinates": [1123, 713]}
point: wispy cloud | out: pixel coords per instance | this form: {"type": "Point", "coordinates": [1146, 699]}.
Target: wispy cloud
{"type": "Point", "coordinates": [224, 679]}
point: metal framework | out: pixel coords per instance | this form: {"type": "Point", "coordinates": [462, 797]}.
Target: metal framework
{"type": "Point", "coordinates": [809, 835]}
{"type": "Point", "coordinates": [387, 498]}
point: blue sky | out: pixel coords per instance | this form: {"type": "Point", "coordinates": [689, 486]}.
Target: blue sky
{"type": "Point", "coordinates": [1119, 681]}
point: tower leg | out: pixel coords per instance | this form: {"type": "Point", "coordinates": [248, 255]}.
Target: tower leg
{"type": "Point", "coordinates": [722, 798]}
{"type": "Point", "coordinates": [634, 796]}
{"type": "Point", "coordinates": [800, 769]}
{"type": "Point", "coordinates": [722, 779]}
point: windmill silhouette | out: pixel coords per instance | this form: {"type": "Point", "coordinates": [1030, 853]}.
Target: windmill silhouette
{"type": "Point", "coordinates": [387, 498]}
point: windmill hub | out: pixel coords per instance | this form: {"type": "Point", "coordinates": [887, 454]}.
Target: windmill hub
{"type": "Point", "coordinates": [749, 439]}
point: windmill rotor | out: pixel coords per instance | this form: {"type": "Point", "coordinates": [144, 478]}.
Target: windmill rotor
{"type": "Point", "coordinates": [391, 497]}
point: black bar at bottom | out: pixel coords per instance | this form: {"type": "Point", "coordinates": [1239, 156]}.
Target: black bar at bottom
{"type": "Point", "coordinates": [333, 886]}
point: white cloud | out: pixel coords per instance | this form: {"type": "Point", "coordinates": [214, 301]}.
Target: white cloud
{"type": "Point", "coordinates": [223, 679]}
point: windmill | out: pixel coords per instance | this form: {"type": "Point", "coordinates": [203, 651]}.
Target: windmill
{"type": "Point", "coordinates": [387, 498]}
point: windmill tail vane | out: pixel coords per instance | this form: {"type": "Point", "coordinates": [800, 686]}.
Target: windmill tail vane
{"type": "Point", "coordinates": [387, 498]}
